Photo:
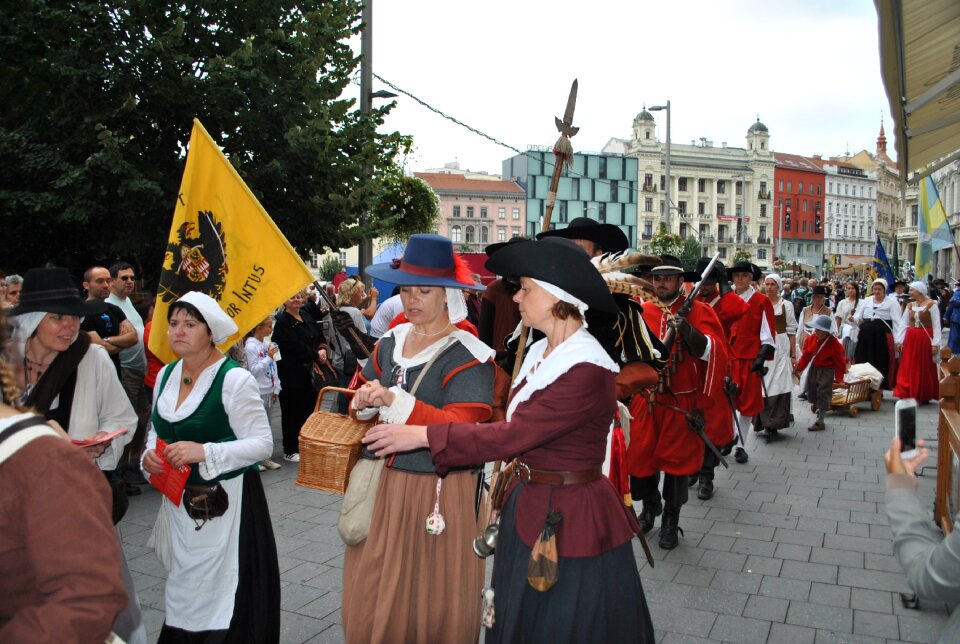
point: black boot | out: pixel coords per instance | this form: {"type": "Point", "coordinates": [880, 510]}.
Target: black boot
{"type": "Point", "coordinates": [674, 496]}
{"type": "Point", "coordinates": [705, 478]}
{"type": "Point", "coordinates": [647, 490]}
{"type": "Point", "coordinates": [740, 455]}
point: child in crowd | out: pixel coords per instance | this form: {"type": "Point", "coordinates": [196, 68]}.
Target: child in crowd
{"type": "Point", "coordinates": [260, 359]}
{"type": "Point", "coordinates": [828, 363]}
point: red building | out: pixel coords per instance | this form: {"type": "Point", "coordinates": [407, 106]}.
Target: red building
{"type": "Point", "coordinates": [798, 215]}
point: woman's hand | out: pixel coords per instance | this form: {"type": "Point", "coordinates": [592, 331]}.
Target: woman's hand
{"type": "Point", "coordinates": [896, 464]}
{"type": "Point", "coordinates": [373, 394]}
{"type": "Point", "coordinates": [273, 350]}
{"type": "Point", "coordinates": [184, 453]}
{"type": "Point", "coordinates": [322, 354]}
{"type": "Point", "coordinates": [95, 451]}
{"type": "Point", "coordinates": [152, 463]}
{"type": "Point", "coordinates": [384, 440]}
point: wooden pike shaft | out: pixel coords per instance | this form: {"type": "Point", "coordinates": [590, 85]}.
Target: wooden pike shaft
{"type": "Point", "coordinates": [552, 194]}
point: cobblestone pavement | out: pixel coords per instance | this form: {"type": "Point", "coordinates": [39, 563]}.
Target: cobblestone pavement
{"type": "Point", "coordinates": [794, 547]}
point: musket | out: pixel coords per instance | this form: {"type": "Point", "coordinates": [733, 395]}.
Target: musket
{"type": "Point", "coordinates": [684, 309]}
{"type": "Point", "coordinates": [729, 386]}
{"type": "Point", "coordinates": [695, 423]}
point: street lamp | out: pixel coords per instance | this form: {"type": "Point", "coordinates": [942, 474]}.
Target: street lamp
{"type": "Point", "coordinates": [666, 162]}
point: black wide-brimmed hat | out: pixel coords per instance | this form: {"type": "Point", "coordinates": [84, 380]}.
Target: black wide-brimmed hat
{"type": "Point", "coordinates": [50, 290]}
{"type": "Point", "coordinates": [492, 248]}
{"type": "Point", "coordinates": [642, 264]}
{"type": "Point", "coordinates": [607, 236]}
{"type": "Point", "coordinates": [671, 265]}
{"type": "Point", "coordinates": [744, 267]}
{"type": "Point", "coordinates": [557, 261]}
{"type": "Point", "coordinates": [716, 274]}
{"type": "Point", "coordinates": [821, 290]}
{"type": "Point", "coordinates": [428, 260]}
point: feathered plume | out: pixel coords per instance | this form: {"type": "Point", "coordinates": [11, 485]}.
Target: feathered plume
{"type": "Point", "coordinates": [628, 284]}
{"type": "Point", "coordinates": [461, 270]}
{"type": "Point", "coordinates": [616, 262]}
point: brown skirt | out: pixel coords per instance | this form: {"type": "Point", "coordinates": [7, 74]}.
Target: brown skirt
{"type": "Point", "coordinates": [404, 585]}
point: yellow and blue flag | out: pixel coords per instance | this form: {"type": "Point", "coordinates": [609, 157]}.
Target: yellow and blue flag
{"type": "Point", "coordinates": [223, 243]}
{"type": "Point", "coordinates": [881, 267]}
{"type": "Point", "coordinates": [933, 231]}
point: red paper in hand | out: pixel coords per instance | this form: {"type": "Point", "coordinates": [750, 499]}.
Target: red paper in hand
{"type": "Point", "coordinates": [170, 481]}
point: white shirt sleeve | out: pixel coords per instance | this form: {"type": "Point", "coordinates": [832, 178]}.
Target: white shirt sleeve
{"type": "Point", "coordinates": [791, 317]}
{"type": "Point", "coordinates": [937, 339]}
{"type": "Point", "coordinates": [766, 333]}
{"type": "Point", "coordinates": [113, 408]}
{"type": "Point", "coordinates": [255, 364]}
{"type": "Point", "coordinates": [248, 420]}
{"type": "Point", "coordinates": [900, 331]}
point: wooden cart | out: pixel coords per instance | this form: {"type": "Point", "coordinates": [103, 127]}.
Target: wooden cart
{"type": "Point", "coordinates": [858, 391]}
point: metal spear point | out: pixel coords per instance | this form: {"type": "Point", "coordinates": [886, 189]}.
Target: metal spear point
{"type": "Point", "coordinates": [565, 126]}
{"type": "Point", "coordinates": [562, 151]}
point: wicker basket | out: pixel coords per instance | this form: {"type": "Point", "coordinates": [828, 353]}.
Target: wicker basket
{"type": "Point", "coordinates": [329, 447]}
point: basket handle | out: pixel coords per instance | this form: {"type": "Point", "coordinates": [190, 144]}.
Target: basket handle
{"type": "Point", "coordinates": [335, 390]}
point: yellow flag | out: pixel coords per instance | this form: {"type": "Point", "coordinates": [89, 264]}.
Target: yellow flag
{"type": "Point", "coordinates": [223, 243]}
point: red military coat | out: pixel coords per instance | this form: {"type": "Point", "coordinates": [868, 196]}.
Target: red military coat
{"type": "Point", "coordinates": [752, 329]}
{"type": "Point", "coordinates": [729, 308]}
{"type": "Point", "coordinates": [660, 439]}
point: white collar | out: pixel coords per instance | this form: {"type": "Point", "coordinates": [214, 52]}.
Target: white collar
{"type": "Point", "coordinates": [480, 351]}
{"type": "Point", "coordinates": [747, 294]}
{"type": "Point", "coordinates": [581, 347]}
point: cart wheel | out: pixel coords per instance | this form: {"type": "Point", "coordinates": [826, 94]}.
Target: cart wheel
{"type": "Point", "coordinates": [876, 400]}
{"type": "Point", "coordinates": [853, 411]}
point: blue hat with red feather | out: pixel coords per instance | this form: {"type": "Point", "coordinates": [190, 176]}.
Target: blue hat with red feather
{"type": "Point", "coordinates": [428, 260]}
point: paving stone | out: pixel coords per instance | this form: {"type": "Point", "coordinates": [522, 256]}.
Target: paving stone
{"type": "Point", "coordinates": [695, 576]}
{"type": "Point", "coordinates": [819, 616]}
{"type": "Point", "coordinates": [758, 565]}
{"type": "Point", "coordinates": [741, 582]}
{"type": "Point", "coordinates": [753, 547]}
{"type": "Point", "coordinates": [723, 560]}
{"type": "Point", "coordinates": [740, 629]}
{"type": "Point", "coordinates": [829, 595]}
{"type": "Point", "coordinates": [300, 628]}
{"type": "Point", "coordinates": [683, 620]}
{"type": "Point", "coordinates": [792, 551]}
{"type": "Point", "coordinates": [799, 537]}
{"type": "Point", "coordinates": [663, 571]}
{"type": "Point", "coordinates": [887, 563]}
{"type": "Point", "coordinates": [809, 571]}
{"type": "Point", "coordinates": [762, 518]}
{"type": "Point", "coordinates": [876, 625]}
{"type": "Point", "coordinates": [873, 579]}
{"type": "Point", "coordinates": [860, 544]}
{"type": "Point", "coordinates": [716, 542]}
{"type": "Point", "coordinates": [772, 609]}
{"type": "Point", "coordinates": [790, 634]}
{"type": "Point", "coordinates": [727, 529]}
{"type": "Point", "coordinates": [812, 524]}
{"type": "Point", "coordinates": [785, 588]}
{"type": "Point", "coordinates": [853, 529]}
{"type": "Point", "coordinates": [677, 638]}
{"type": "Point", "coordinates": [921, 627]}
{"type": "Point", "coordinates": [333, 634]}
{"type": "Point", "coordinates": [865, 599]}
{"type": "Point", "coordinates": [834, 637]}
{"type": "Point", "coordinates": [848, 558]}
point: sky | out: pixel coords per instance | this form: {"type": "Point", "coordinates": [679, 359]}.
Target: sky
{"type": "Point", "coordinates": [810, 69]}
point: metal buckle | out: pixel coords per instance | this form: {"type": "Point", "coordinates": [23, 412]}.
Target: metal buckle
{"type": "Point", "coordinates": [522, 471]}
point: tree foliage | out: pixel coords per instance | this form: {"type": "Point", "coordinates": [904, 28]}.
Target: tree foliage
{"type": "Point", "coordinates": [329, 268]}
{"type": "Point", "coordinates": [691, 253]}
{"type": "Point", "coordinates": [99, 102]}
{"type": "Point", "coordinates": [666, 243]}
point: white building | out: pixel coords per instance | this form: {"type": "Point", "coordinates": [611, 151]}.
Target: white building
{"type": "Point", "coordinates": [720, 194]}
{"type": "Point", "coordinates": [851, 220]}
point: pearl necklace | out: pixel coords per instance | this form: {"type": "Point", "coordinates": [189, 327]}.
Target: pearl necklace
{"type": "Point", "coordinates": [431, 335]}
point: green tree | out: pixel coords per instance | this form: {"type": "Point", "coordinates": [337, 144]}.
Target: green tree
{"type": "Point", "coordinates": [665, 243]}
{"type": "Point", "coordinates": [691, 253]}
{"type": "Point", "coordinates": [329, 267]}
{"type": "Point", "coordinates": [99, 100]}
{"type": "Point", "coordinates": [742, 255]}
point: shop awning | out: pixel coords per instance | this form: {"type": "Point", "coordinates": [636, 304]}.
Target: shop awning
{"type": "Point", "coordinates": [918, 49]}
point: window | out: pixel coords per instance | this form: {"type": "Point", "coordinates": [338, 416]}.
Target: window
{"type": "Point", "coordinates": [682, 207]}
{"type": "Point", "coordinates": [647, 182]}
{"type": "Point", "coordinates": [844, 230]}
{"type": "Point", "coordinates": [914, 213]}
{"type": "Point", "coordinates": [739, 188]}
{"type": "Point", "coordinates": [761, 253]}
{"type": "Point", "coordinates": [818, 189]}
{"type": "Point", "coordinates": [830, 207]}
{"type": "Point", "coordinates": [501, 213]}
{"type": "Point", "coordinates": [738, 210]}
{"type": "Point", "coordinates": [483, 212]}
{"type": "Point", "coordinates": [721, 187]}
{"type": "Point", "coordinates": [804, 205]}
{"type": "Point", "coordinates": [343, 258]}
{"type": "Point", "coordinates": [720, 210]}
{"type": "Point", "coordinates": [804, 225]}
{"type": "Point", "coordinates": [701, 208]}
{"type": "Point", "coordinates": [763, 210]}
{"type": "Point", "coordinates": [648, 204]}
{"type": "Point", "coordinates": [514, 232]}
{"type": "Point", "coordinates": [602, 212]}
{"type": "Point", "coordinates": [683, 230]}
{"type": "Point", "coordinates": [603, 167]}
{"type": "Point", "coordinates": [830, 187]}
{"type": "Point", "coordinates": [800, 187]}
{"type": "Point", "coordinates": [469, 236]}
{"type": "Point", "coordinates": [663, 182]}
{"type": "Point", "coordinates": [763, 187]}
{"type": "Point", "coordinates": [789, 186]}
{"type": "Point", "coordinates": [871, 193]}
{"type": "Point", "coordinates": [861, 230]}
{"type": "Point", "coordinates": [456, 211]}
{"type": "Point", "coordinates": [846, 189]}
{"type": "Point", "coordinates": [648, 228]}
{"type": "Point", "coordinates": [861, 210]}
{"type": "Point", "coordinates": [723, 252]}
{"type": "Point", "coordinates": [763, 232]}
{"type": "Point", "coordinates": [470, 211]}
{"type": "Point", "coordinates": [484, 239]}
{"type": "Point", "coordinates": [682, 184]}
{"type": "Point", "coordinates": [516, 213]}
{"type": "Point", "coordinates": [575, 188]}
{"type": "Point", "coordinates": [701, 185]}
{"type": "Point", "coordinates": [869, 211]}
{"type": "Point", "coordinates": [455, 234]}
{"type": "Point", "coordinates": [501, 234]}
{"type": "Point", "coordinates": [661, 206]}
{"type": "Point", "coordinates": [845, 208]}
{"type": "Point", "coordinates": [780, 185]}
{"type": "Point", "coordinates": [614, 190]}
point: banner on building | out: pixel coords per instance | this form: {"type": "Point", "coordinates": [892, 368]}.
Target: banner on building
{"type": "Point", "coordinates": [223, 243]}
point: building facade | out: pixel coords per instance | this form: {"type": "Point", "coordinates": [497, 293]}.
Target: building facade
{"type": "Point", "coordinates": [477, 212]}
{"type": "Point", "coordinates": [721, 195]}
{"type": "Point", "coordinates": [599, 186]}
{"type": "Point", "coordinates": [799, 188]}
{"type": "Point", "coordinates": [850, 222]}
{"type": "Point", "coordinates": [945, 262]}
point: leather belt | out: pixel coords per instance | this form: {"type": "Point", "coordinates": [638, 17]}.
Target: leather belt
{"type": "Point", "coordinates": [547, 477]}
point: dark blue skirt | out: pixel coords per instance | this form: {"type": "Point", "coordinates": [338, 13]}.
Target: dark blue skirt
{"type": "Point", "coordinates": [596, 599]}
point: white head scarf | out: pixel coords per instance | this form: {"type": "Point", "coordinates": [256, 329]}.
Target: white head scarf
{"type": "Point", "coordinates": [563, 296]}
{"type": "Point", "coordinates": [221, 326]}
{"type": "Point", "coordinates": [880, 280]}
{"type": "Point", "coordinates": [456, 305]}
{"type": "Point", "coordinates": [24, 326]}
{"type": "Point", "coordinates": [776, 278]}
{"type": "Point", "coordinates": [919, 286]}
